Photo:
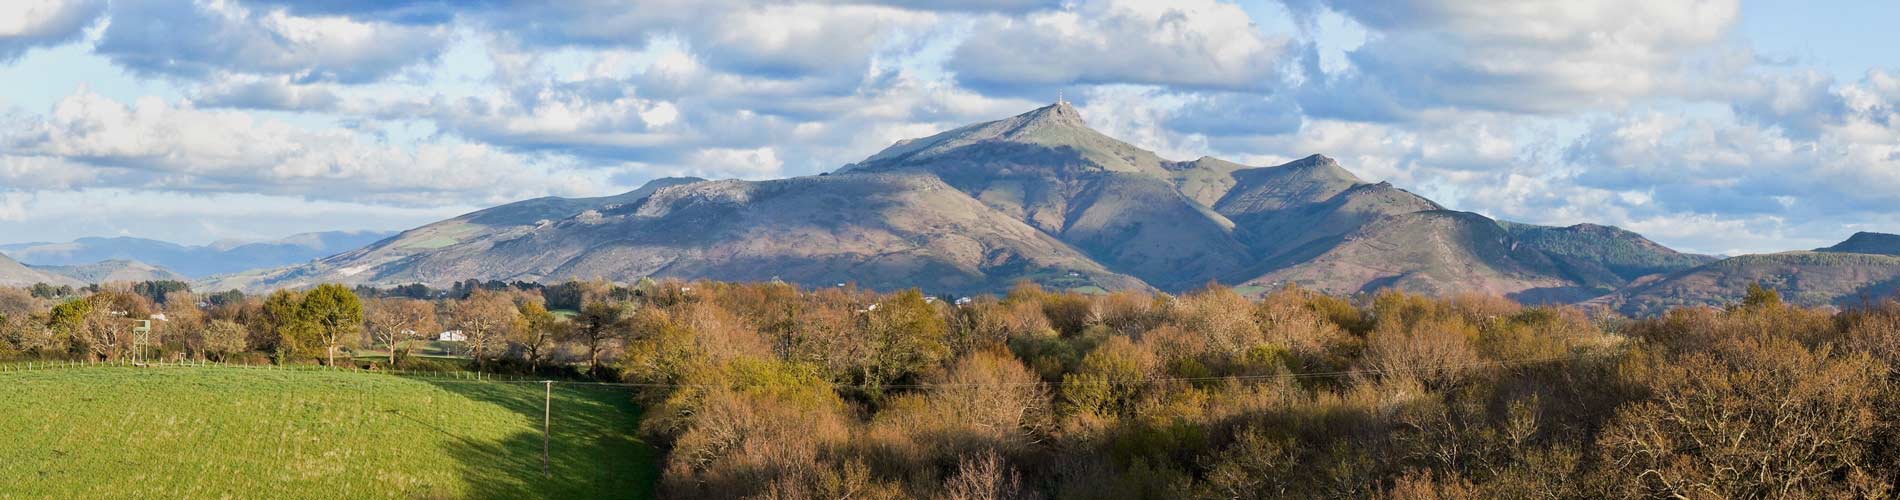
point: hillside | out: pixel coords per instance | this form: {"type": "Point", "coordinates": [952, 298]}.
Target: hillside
{"type": "Point", "coordinates": [193, 261]}
{"type": "Point", "coordinates": [1436, 252]}
{"type": "Point", "coordinates": [112, 271]}
{"type": "Point", "coordinates": [1603, 255]}
{"type": "Point", "coordinates": [879, 230]}
{"type": "Point", "coordinates": [1862, 268]}
{"type": "Point", "coordinates": [13, 273]}
{"type": "Point", "coordinates": [1866, 242]}
{"type": "Point", "coordinates": [211, 432]}
{"type": "Point", "coordinates": [1039, 196]}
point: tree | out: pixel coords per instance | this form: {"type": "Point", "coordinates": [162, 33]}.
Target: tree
{"type": "Point", "coordinates": [485, 317]}
{"type": "Point", "coordinates": [1760, 297]}
{"type": "Point", "coordinates": [224, 337]}
{"type": "Point", "coordinates": [907, 336]}
{"type": "Point", "coordinates": [540, 330]}
{"type": "Point", "coordinates": [336, 313]}
{"type": "Point", "coordinates": [285, 329]}
{"type": "Point", "coordinates": [184, 323]}
{"type": "Point", "coordinates": [599, 322]}
{"type": "Point", "coordinates": [394, 321]}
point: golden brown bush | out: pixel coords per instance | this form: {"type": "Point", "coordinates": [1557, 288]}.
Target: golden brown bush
{"type": "Point", "coordinates": [739, 443]}
{"type": "Point", "coordinates": [1222, 317]}
{"type": "Point", "coordinates": [1766, 417]}
{"type": "Point", "coordinates": [1436, 350]}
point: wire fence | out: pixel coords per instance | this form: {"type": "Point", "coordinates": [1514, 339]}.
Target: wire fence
{"type": "Point", "coordinates": [485, 377]}
{"type": "Point", "coordinates": [473, 376]}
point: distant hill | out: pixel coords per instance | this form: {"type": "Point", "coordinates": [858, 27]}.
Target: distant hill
{"type": "Point", "coordinates": [13, 273]}
{"type": "Point", "coordinates": [113, 271]}
{"type": "Point", "coordinates": [1038, 196]}
{"type": "Point", "coordinates": [1805, 278]}
{"type": "Point", "coordinates": [1865, 242]}
{"type": "Point", "coordinates": [1865, 267]}
{"type": "Point", "coordinates": [1602, 255]}
{"type": "Point", "coordinates": [193, 261]}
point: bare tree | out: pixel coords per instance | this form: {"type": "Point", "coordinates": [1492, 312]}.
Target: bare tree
{"type": "Point", "coordinates": [393, 321]}
{"type": "Point", "coordinates": [485, 317]}
{"type": "Point", "coordinates": [224, 337]}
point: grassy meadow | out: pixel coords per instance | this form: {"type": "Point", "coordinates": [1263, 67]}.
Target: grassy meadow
{"type": "Point", "coordinates": [225, 432]}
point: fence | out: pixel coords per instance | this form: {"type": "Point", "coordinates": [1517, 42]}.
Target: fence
{"type": "Point", "coordinates": [41, 365]}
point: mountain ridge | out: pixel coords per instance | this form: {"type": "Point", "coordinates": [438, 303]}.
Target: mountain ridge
{"type": "Point", "coordinates": [1038, 196]}
{"type": "Point", "coordinates": [189, 260]}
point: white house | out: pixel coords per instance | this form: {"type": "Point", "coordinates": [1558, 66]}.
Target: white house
{"type": "Point", "coordinates": [452, 336]}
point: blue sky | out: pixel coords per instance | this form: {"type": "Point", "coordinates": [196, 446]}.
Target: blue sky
{"type": "Point", "coordinates": [1710, 125]}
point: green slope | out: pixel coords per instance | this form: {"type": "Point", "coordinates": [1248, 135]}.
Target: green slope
{"type": "Point", "coordinates": [211, 432]}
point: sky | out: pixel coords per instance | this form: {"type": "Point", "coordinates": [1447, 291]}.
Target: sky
{"type": "Point", "coordinates": [1714, 126]}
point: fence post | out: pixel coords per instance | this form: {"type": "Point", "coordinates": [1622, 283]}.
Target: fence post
{"type": "Point", "coordinates": [547, 424]}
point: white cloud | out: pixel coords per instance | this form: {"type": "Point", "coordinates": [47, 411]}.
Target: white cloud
{"type": "Point", "coordinates": [12, 207]}
{"type": "Point", "coordinates": [1651, 115]}
{"type": "Point", "coordinates": [255, 92]}
{"type": "Point", "coordinates": [1538, 56]}
{"type": "Point", "coordinates": [25, 24]}
{"type": "Point", "coordinates": [1190, 43]}
{"type": "Point", "coordinates": [153, 144]}
{"type": "Point", "coordinates": [761, 163]}
{"type": "Point", "coordinates": [42, 172]}
{"type": "Point", "coordinates": [195, 39]}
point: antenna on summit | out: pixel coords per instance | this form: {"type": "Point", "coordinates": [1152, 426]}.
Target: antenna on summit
{"type": "Point", "coordinates": [1059, 100]}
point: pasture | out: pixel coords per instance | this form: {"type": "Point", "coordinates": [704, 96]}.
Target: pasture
{"type": "Point", "coordinates": [227, 432]}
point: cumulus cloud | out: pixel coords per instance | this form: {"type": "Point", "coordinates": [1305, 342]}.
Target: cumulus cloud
{"type": "Point", "coordinates": [278, 93]}
{"type": "Point", "coordinates": [761, 163]}
{"type": "Point", "coordinates": [1650, 115]}
{"type": "Point", "coordinates": [25, 24]}
{"type": "Point", "coordinates": [1540, 56]}
{"type": "Point", "coordinates": [42, 172]}
{"type": "Point", "coordinates": [199, 38]}
{"type": "Point", "coordinates": [153, 144]}
{"type": "Point", "coordinates": [1192, 44]}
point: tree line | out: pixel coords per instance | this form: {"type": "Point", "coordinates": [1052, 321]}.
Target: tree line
{"type": "Point", "coordinates": [506, 327]}
{"type": "Point", "coordinates": [766, 390]}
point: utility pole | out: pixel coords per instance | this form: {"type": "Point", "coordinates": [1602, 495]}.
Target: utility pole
{"type": "Point", "coordinates": [547, 414]}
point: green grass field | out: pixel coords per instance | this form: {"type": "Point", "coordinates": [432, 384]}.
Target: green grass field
{"type": "Point", "coordinates": [222, 432]}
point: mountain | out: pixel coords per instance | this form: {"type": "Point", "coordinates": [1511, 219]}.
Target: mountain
{"type": "Point", "coordinates": [113, 271]}
{"type": "Point", "coordinates": [193, 261]}
{"type": "Point", "coordinates": [1865, 242]}
{"type": "Point", "coordinates": [1436, 252]}
{"type": "Point", "coordinates": [1864, 267]}
{"type": "Point", "coordinates": [1038, 196]}
{"type": "Point", "coordinates": [1117, 203]}
{"type": "Point", "coordinates": [1603, 255]}
{"type": "Point", "coordinates": [879, 230]}
{"type": "Point", "coordinates": [13, 273]}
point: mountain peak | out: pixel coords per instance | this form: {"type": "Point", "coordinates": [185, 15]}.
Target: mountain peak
{"type": "Point", "coordinates": [1060, 113]}
{"type": "Point", "coordinates": [1315, 160]}
{"type": "Point", "coordinates": [1038, 137]}
{"type": "Point", "coordinates": [1320, 166]}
